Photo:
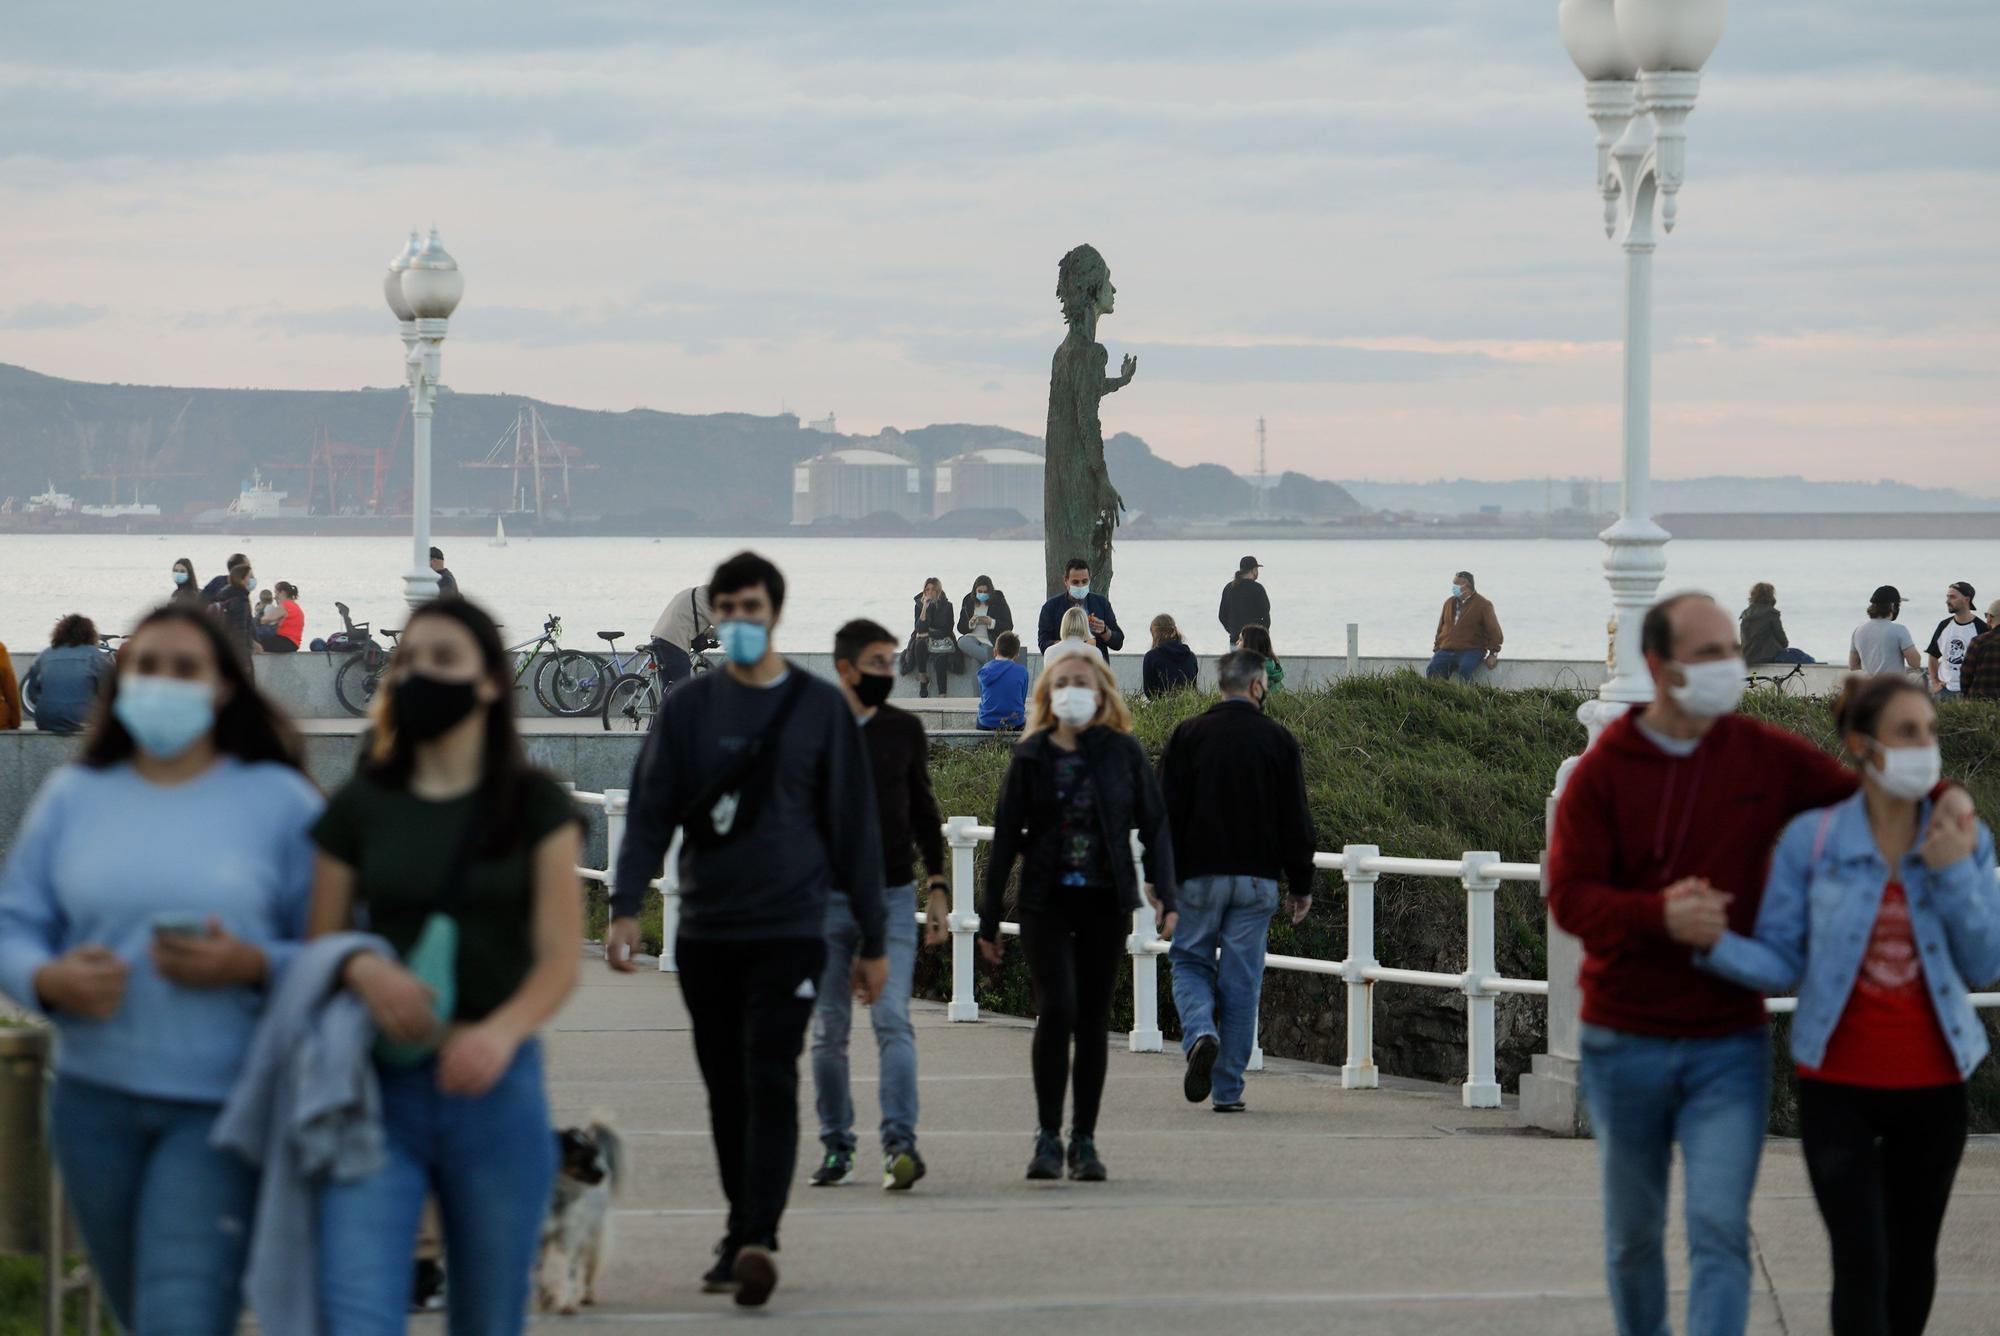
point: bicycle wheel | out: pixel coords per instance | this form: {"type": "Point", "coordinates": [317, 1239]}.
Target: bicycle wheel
{"type": "Point", "coordinates": [570, 684]}
{"type": "Point", "coordinates": [354, 685]}
{"type": "Point", "coordinates": [630, 703]}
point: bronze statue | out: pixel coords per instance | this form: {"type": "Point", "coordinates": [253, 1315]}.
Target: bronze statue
{"type": "Point", "coordinates": [1080, 507]}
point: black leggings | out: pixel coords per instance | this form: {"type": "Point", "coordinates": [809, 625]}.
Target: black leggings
{"type": "Point", "coordinates": [1073, 947]}
{"type": "Point", "coordinates": [1882, 1164]}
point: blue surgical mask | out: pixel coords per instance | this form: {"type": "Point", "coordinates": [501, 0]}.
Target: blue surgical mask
{"type": "Point", "coordinates": [982, 597]}
{"type": "Point", "coordinates": [165, 715]}
{"type": "Point", "coordinates": [1079, 591]}
{"type": "Point", "coordinates": [1458, 591]}
{"type": "Point", "coordinates": [251, 584]}
{"type": "Point", "coordinates": [180, 577]}
{"type": "Point", "coordinates": [743, 642]}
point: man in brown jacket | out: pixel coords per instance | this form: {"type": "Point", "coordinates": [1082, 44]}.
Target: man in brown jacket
{"type": "Point", "coordinates": [1468, 633]}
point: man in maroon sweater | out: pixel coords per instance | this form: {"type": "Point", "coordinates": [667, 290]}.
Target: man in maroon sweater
{"type": "Point", "coordinates": [1665, 830]}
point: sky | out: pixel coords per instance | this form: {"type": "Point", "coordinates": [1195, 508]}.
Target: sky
{"type": "Point", "coordinates": [1373, 223]}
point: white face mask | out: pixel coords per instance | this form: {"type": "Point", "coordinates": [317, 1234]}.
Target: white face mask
{"type": "Point", "coordinates": [1712, 689]}
{"type": "Point", "coordinates": [1909, 772]}
{"type": "Point", "coordinates": [1075, 706]}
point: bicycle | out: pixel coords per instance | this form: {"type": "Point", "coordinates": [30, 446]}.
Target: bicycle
{"type": "Point", "coordinates": [558, 682]}
{"type": "Point", "coordinates": [1782, 683]}
{"type": "Point", "coordinates": [632, 700]}
{"type": "Point", "coordinates": [355, 684]}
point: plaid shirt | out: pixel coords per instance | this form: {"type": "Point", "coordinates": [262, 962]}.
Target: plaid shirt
{"type": "Point", "coordinates": [1979, 675]}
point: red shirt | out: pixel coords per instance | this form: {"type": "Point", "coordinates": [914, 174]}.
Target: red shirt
{"type": "Point", "coordinates": [1888, 1037]}
{"type": "Point", "coordinates": [1633, 820]}
{"type": "Point", "coordinates": [293, 624]}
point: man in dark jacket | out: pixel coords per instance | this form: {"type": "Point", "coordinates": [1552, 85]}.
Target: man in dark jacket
{"type": "Point", "coordinates": [1104, 630]}
{"type": "Point", "coordinates": [864, 655]}
{"type": "Point", "coordinates": [762, 768]}
{"type": "Point", "coordinates": [447, 582]}
{"type": "Point", "coordinates": [1236, 803]}
{"type": "Point", "coordinates": [1244, 602]}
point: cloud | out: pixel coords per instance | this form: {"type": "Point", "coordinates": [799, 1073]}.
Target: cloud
{"type": "Point", "coordinates": [51, 315]}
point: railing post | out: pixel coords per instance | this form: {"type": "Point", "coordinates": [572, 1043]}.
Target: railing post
{"type": "Point", "coordinates": [964, 920]}
{"type": "Point", "coordinates": [670, 908]}
{"type": "Point", "coordinates": [1358, 1073]}
{"type": "Point", "coordinates": [1482, 1085]}
{"type": "Point", "coordinates": [1145, 1037]}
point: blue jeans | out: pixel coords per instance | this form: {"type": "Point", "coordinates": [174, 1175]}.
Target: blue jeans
{"type": "Point", "coordinates": [895, 1041]}
{"type": "Point", "coordinates": [1464, 664]}
{"type": "Point", "coordinates": [1713, 1097]}
{"type": "Point", "coordinates": [1218, 996]}
{"type": "Point", "coordinates": [491, 1160]}
{"type": "Point", "coordinates": [166, 1217]}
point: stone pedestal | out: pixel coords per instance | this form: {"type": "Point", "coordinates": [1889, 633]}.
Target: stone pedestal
{"type": "Point", "coordinates": [1551, 1097]}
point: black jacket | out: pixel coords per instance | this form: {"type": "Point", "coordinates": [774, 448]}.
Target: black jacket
{"type": "Point", "coordinates": [1236, 798]}
{"type": "Point", "coordinates": [1048, 628]}
{"type": "Point", "coordinates": [899, 761]}
{"type": "Point", "coordinates": [936, 622]}
{"type": "Point", "coordinates": [232, 608]}
{"type": "Point", "coordinates": [1170, 666]}
{"type": "Point", "coordinates": [1028, 824]}
{"type": "Point", "coordinates": [1244, 603]}
{"type": "Point", "coordinates": [996, 608]}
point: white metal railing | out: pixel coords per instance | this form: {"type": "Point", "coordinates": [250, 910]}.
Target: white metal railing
{"type": "Point", "coordinates": [1480, 874]}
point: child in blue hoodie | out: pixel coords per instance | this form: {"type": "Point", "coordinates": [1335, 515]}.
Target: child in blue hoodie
{"type": "Point", "coordinates": [1003, 686]}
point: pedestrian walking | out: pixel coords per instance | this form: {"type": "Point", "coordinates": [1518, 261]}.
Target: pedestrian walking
{"type": "Point", "coordinates": [66, 679]}
{"type": "Point", "coordinates": [1169, 665]}
{"type": "Point", "coordinates": [1257, 640]}
{"type": "Point", "coordinates": [213, 589]}
{"type": "Point", "coordinates": [1244, 601]}
{"type": "Point", "coordinates": [149, 941]}
{"type": "Point", "coordinates": [464, 859]}
{"type": "Point", "coordinates": [1468, 633]}
{"type": "Point", "coordinates": [686, 626]}
{"type": "Point", "coordinates": [1762, 630]}
{"type": "Point", "coordinates": [1882, 644]}
{"type": "Point", "coordinates": [1681, 796]}
{"type": "Point", "coordinates": [762, 768]}
{"type": "Point", "coordinates": [932, 641]}
{"type": "Point", "coordinates": [1102, 621]}
{"type": "Point", "coordinates": [1235, 790]}
{"type": "Point", "coordinates": [864, 655]}
{"type": "Point", "coordinates": [447, 582]}
{"type": "Point", "coordinates": [983, 617]}
{"type": "Point", "coordinates": [1953, 636]}
{"type": "Point", "coordinates": [1078, 786]}
{"type": "Point", "coordinates": [1979, 675]}
{"type": "Point", "coordinates": [1880, 919]}
{"type": "Point", "coordinates": [187, 588]}
{"type": "Point", "coordinates": [231, 607]}
{"type": "Point", "coordinates": [1003, 686]}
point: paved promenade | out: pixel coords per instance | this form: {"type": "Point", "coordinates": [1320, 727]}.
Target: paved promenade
{"type": "Point", "coordinates": [1391, 1211]}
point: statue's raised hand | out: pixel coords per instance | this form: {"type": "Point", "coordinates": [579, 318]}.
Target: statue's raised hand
{"type": "Point", "coordinates": [1128, 369]}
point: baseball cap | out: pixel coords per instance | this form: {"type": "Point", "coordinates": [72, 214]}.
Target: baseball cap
{"type": "Point", "coordinates": [1248, 564]}
{"type": "Point", "coordinates": [1885, 596]}
{"type": "Point", "coordinates": [1966, 589]}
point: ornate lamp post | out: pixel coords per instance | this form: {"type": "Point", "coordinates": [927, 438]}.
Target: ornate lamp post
{"type": "Point", "coordinates": [423, 286]}
{"type": "Point", "coordinates": [1641, 61]}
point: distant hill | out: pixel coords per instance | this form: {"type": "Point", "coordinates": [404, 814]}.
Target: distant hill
{"type": "Point", "coordinates": [1462, 496]}
{"type": "Point", "coordinates": [198, 445]}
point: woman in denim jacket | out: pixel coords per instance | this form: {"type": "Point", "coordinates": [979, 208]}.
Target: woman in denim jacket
{"type": "Point", "coordinates": [1882, 921]}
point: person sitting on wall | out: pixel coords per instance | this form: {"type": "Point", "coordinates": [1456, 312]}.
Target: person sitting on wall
{"type": "Point", "coordinates": [1003, 686]}
{"type": "Point", "coordinates": [1169, 665]}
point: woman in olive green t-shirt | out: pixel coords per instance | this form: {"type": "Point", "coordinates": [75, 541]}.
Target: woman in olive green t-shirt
{"type": "Point", "coordinates": [444, 817]}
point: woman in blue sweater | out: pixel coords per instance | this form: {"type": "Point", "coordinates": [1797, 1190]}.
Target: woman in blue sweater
{"type": "Point", "coordinates": [1882, 919]}
{"type": "Point", "coordinates": [156, 891]}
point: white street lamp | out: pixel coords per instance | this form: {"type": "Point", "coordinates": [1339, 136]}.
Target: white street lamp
{"type": "Point", "coordinates": [1641, 61]}
{"type": "Point", "coordinates": [423, 287]}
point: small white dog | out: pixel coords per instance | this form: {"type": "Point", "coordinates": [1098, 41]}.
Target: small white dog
{"type": "Point", "coordinates": [577, 1233]}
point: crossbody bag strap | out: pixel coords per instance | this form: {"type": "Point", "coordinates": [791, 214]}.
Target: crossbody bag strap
{"type": "Point", "coordinates": [746, 767]}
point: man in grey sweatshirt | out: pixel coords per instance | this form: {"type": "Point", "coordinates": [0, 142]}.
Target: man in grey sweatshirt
{"type": "Point", "coordinates": [762, 768]}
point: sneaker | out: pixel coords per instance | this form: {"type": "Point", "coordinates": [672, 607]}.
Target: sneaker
{"type": "Point", "coordinates": [721, 1278]}
{"type": "Point", "coordinates": [1233, 1106]}
{"type": "Point", "coordinates": [836, 1170]}
{"type": "Point", "coordinates": [1048, 1161]}
{"type": "Point", "coordinates": [901, 1169]}
{"type": "Point", "coordinates": [1200, 1063]}
{"type": "Point", "coordinates": [1084, 1166]}
{"type": "Point", "coordinates": [756, 1275]}
{"type": "Point", "coordinates": [427, 1286]}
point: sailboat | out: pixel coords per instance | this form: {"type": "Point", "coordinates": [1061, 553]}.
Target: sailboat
{"type": "Point", "coordinates": [499, 532]}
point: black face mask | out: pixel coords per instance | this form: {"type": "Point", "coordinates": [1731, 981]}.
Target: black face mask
{"type": "Point", "coordinates": [873, 689]}
{"type": "Point", "coordinates": [427, 707]}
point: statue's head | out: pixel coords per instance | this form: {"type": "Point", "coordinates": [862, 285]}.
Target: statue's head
{"type": "Point", "coordinates": [1083, 281]}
